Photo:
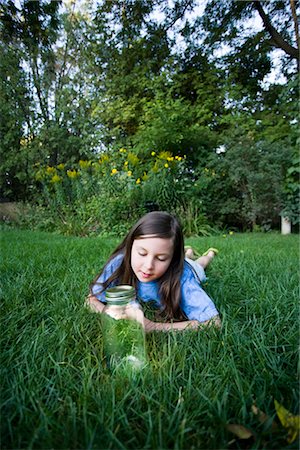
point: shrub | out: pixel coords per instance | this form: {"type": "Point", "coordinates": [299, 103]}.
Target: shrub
{"type": "Point", "coordinates": [108, 195]}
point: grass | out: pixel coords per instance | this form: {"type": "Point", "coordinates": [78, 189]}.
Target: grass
{"type": "Point", "coordinates": [57, 394]}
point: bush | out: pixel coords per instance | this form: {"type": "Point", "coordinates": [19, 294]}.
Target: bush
{"type": "Point", "coordinates": [230, 189]}
{"type": "Point", "coordinates": [243, 186]}
{"type": "Point", "coordinates": [108, 195]}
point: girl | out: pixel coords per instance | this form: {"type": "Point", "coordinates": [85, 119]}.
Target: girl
{"type": "Point", "coordinates": [151, 258]}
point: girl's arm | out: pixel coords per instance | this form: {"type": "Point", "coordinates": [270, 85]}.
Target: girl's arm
{"type": "Point", "coordinates": [97, 306]}
{"type": "Point", "coordinates": [179, 326]}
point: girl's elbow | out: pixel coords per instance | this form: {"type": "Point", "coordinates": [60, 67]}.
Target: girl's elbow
{"type": "Point", "coordinates": [215, 321]}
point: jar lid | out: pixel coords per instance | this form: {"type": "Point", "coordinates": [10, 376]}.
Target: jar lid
{"type": "Point", "coordinates": [120, 294]}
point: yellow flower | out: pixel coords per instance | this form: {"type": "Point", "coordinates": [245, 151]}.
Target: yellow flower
{"type": "Point", "coordinates": [126, 163]}
{"type": "Point", "coordinates": [153, 153]}
{"type": "Point", "coordinates": [50, 170]}
{"type": "Point", "coordinates": [114, 171]}
{"type": "Point", "coordinates": [170, 158]}
{"type": "Point", "coordinates": [122, 150]}
{"type": "Point", "coordinates": [103, 159]}
{"type": "Point", "coordinates": [231, 233]}
{"type": "Point", "coordinates": [145, 177]}
{"type": "Point", "coordinates": [39, 175]}
{"type": "Point", "coordinates": [166, 165]}
{"type": "Point", "coordinates": [138, 181]}
{"type": "Point", "coordinates": [129, 173]}
{"type": "Point", "coordinates": [55, 179]}
{"type": "Point", "coordinates": [26, 140]}
{"type": "Point", "coordinates": [133, 159]}
{"type": "Point", "coordinates": [84, 164]}
{"type": "Point", "coordinates": [61, 166]}
{"type": "Point", "coordinates": [72, 173]}
{"type": "Point", "coordinates": [155, 168]}
{"type": "Point", "coordinates": [165, 155]}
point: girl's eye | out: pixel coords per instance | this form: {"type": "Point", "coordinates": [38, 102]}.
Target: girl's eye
{"type": "Point", "coordinates": [142, 254]}
{"type": "Point", "coordinates": [162, 259]}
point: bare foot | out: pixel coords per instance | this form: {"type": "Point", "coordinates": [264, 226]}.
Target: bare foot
{"type": "Point", "coordinates": [206, 259]}
{"type": "Point", "coordinates": [189, 253]}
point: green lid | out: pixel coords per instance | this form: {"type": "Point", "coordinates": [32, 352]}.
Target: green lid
{"type": "Point", "coordinates": [120, 295]}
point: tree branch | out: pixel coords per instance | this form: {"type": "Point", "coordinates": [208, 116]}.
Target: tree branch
{"type": "Point", "coordinates": [295, 18]}
{"type": "Point", "coordinates": [37, 85]}
{"type": "Point", "coordinates": [178, 16]}
{"type": "Point", "coordinates": [276, 37]}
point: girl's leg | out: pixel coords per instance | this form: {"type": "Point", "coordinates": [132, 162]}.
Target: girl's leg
{"type": "Point", "coordinates": [203, 260]}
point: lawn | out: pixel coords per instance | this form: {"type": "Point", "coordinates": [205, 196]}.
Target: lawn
{"type": "Point", "coordinates": [56, 392]}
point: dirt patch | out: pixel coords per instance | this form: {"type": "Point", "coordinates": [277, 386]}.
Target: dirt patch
{"type": "Point", "coordinates": [10, 211]}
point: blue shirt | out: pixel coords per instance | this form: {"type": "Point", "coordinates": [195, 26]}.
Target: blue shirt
{"type": "Point", "coordinates": [195, 303]}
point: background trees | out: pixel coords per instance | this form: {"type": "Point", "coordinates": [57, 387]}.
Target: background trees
{"type": "Point", "coordinates": [190, 78]}
{"type": "Point", "coordinates": [45, 91]}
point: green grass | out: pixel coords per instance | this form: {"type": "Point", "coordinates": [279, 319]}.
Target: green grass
{"type": "Point", "coordinates": [57, 394]}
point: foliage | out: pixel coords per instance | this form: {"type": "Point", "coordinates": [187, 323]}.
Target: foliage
{"type": "Point", "coordinates": [57, 393]}
{"type": "Point", "coordinates": [14, 165]}
{"type": "Point", "coordinates": [80, 83]}
{"type": "Point", "coordinates": [291, 192]}
{"type": "Point", "coordinates": [193, 220]}
{"type": "Point", "coordinates": [245, 171]}
{"type": "Point", "coordinates": [106, 196]}
{"type": "Point", "coordinates": [224, 23]}
{"type": "Point", "coordinates": [109, 194]}
{"type": "Point", "coordinates": [291, 195]}
{"type": "Point", "coordinates": [46, 92]}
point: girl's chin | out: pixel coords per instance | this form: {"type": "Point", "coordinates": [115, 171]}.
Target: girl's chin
{"type": "Point", "coordinates": [144, 277]}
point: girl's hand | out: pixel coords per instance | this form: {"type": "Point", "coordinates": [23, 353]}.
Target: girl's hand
{"type": "Point", "coordinates": [94, 304]}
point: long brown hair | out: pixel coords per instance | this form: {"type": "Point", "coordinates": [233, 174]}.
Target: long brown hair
{"type": "Point", "coordinates": [163, 225]}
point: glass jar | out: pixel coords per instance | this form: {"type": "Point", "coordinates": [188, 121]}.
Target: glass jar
{"type": "Point", "coordinates": [123, 329]}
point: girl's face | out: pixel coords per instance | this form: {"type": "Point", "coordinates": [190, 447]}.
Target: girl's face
{"type": "Point", "coordinates": [151, 257]}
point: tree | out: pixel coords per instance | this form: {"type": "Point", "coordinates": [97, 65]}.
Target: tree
{"type": "Point", "coordinates": [131, 51]}
{"type": "Point", "coordinates": [47, 52]}
{"type": "Point", "coordinates": [14, 114]}
{"type": "Point", "coordinates": [26, 38]}
{"type": "Point", "coordinates": [146, 85]}
{"type": "Point", "coordinates": [224, 23]}
{"type": "Point", "coordinates": [235, 184]}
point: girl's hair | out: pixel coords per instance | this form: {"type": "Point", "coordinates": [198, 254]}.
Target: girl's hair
{"type": "Point", "coordinates": [157, 224]}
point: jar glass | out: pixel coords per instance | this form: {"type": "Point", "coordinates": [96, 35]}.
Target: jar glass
{"type": "Point", "coordinates": [123, 329]}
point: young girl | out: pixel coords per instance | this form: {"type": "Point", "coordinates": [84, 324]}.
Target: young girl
{"type": "Point", "coordinates": [151, 258]}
